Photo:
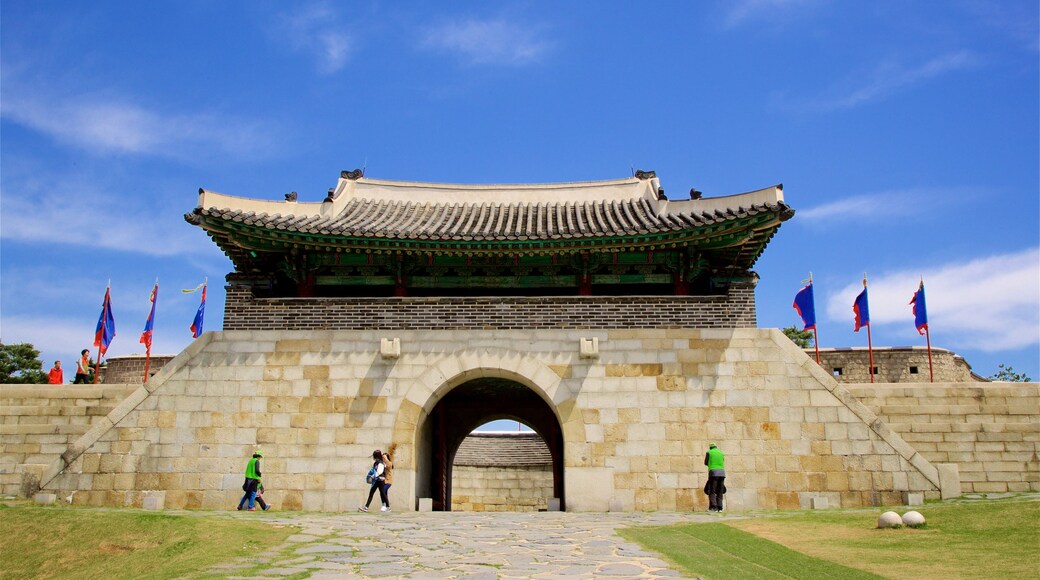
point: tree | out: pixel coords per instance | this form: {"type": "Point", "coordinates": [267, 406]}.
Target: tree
{"type": "Point", "coordinates": [20, 364]}
{"type": "Point", "coordinates": [1006, 374]}
{"type": "Point", "coordinates": [802, 338]}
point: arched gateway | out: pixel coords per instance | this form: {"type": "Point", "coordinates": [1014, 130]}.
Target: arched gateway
{"type": "Point", "coordinates": [618, 323]}
{"type": "Point", "coordinates": [477, 395]}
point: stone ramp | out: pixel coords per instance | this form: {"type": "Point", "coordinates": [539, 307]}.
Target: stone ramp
{"type": "Point", "coordinates": [39, 422]}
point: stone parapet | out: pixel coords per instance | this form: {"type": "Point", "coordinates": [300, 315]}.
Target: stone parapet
{"type": "Point", "coordinates": [895, 364]}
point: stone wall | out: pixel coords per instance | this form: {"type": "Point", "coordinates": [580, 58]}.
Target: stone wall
{"type": "Point", "coordinates": [39, 422]}
{"type": "Point", "coordinates": [635, 420]}
{"type": "Point", "coordinates": [522, 488]}
{"type": "Point", "coordinates": [501, 471]}
{"type": "Point", "coordinates": [894, 365]}
{"type": "Point", "coordinates": [243, 311]}
{"type": "Point", "coordinates": [991, 431]}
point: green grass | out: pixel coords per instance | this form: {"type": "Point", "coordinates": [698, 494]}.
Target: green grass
{"type": "Point", "coordinates": [67, 542]}
{"type": "Point", "coordinates": [721, 551]}
{"type": "Point", "coordinates": [998, 538]}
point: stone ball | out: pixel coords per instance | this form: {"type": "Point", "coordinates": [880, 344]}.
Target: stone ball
{"type": "Point", "coordinates": [913, 519]}
{"type": "Point", "coordinates": [889, 520]}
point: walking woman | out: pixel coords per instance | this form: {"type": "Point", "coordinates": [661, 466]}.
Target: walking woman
{"type": "Point", "coordinates": [378, 479]}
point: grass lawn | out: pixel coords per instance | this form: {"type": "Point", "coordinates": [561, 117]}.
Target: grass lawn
{"type": "Point", "coordinates": [977, 539]}
{"type": "Point", "coordinates": [68, 542]}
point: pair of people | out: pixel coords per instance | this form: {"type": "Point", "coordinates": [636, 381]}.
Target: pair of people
{"type": "Point", "coordinates": [252, 487]}
{"type": "Point", "coordinates": [382, 477]}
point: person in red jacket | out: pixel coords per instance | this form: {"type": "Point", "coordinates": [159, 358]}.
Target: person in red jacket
{"type": "Point", "coordinates": [56, 376]}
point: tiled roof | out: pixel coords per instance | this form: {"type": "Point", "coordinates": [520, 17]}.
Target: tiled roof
{"type": "Point", "coordinates": [503, 450]}
{"type": "Point", "coordinates": [401, 211]}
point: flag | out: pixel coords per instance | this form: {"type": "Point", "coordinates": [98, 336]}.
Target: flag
{"type": "Point", "coordinates": [106, 325]}
{"type": "Point", "coordinates": [146, 336]}
{"type": "Point", "coordinates": [862, 310]}
{"type": "Point", "coordinates": [920, 310]}
{"type": "Point", "coordinates": [196, 325]}
{"type": "Point", "coordinates": [806, 306]}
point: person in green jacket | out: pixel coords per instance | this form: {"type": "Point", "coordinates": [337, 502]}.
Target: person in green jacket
{"type": "Point", "coordinates": [252, 483]}
{"type": "Point", "coordinates": [716, 487]}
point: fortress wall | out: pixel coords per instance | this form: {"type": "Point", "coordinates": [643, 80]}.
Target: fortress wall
{"type": "Point", "coordinates": [497, 488]}
{"type": "Point", "coordinates": [735, 309]}
{"type": "Point", "coordinates": [635, 421]}
{"type": "Point", "coordinates": [38, 422]}
{"type": "Point", "coordinates": [990, 430]}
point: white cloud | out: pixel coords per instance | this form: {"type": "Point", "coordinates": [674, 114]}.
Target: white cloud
{"type": "Point", "coordinates": [317, 31]}
{"type": "Point", "coordinates": [34, 211]}
{"type": "Point", "coordinates": [887, 206]}
{"type": "Point", "coordinates": [488, 41]}
{"type": "Point", "coordinates": [740, 11]}
{"type": "Point", "coordinates": [886, 79]}
{"type": "Point", "coordinates": [117, 125]}
{"type": "Point", "coordinates": [990, 303]}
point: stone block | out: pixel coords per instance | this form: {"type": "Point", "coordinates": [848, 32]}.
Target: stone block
{"type": "Point", "coordinates": [154, 501]}
{"type": "Point", "coordinates": [553, 504]}
{"type": "Point", "coordinates": [425, 504]}
{"type": "Point", "coordinates": [45, 498]}
{"type": "Point", "coordinates": [913, 498]}
{"type": "Point", "coordinates": [819, 503]}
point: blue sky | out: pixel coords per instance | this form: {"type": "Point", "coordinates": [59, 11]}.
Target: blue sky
{"type": "Point", "coordinates": [905, 134]}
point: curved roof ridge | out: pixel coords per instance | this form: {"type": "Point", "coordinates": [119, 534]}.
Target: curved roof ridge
{"type": "Point", "coordinates": [615, 189]}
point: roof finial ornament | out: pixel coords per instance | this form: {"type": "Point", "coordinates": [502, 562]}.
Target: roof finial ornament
{"type": "Point", "coordinates": [640, 174]}
{"type": "Point", "coordinates": [328, 198]}
{"type": "Point", "coordinates": [694, 193]}
{"type": "Point", "coordinates": [291, 196]}
{"type": "Point", "coordinates": [352, 175]}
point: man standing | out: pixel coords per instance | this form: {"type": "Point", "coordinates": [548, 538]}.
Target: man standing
{"type": "Point", "coordinates": [716, 487]}
{"type": "Point", "coordinates": [83, 368]}
{"type": "Point", "coordinates": [56, 376]}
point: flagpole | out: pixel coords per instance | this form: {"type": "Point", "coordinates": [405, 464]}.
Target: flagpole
{"type": "Point", "coordinates": [104, 319]}
{"type": "Point", "coordinates": [148, 347]}
{"type": "Point", "coordinates": [870, 344]}
{"type": "Point", "coordinates": [928, 338]}
{"type": "Point", "coordinates": [815, 333]}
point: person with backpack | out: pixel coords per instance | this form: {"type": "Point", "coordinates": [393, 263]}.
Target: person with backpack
{"type": "Point", "coordinates": [376, 478]}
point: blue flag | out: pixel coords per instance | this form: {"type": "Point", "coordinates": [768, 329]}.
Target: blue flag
{"type": "Point", "coordinates": [920, 310]}
{"type": "Point", "coordinates": [862, 310]}
{"type": "Point", "coordinates": [196, 325]}
{"type": "Point", "coordinates": [806, 306]}
{"type": "Point", "coordinates": [106, 325]}
{"type": "Point", "coordinates": [146, 336]}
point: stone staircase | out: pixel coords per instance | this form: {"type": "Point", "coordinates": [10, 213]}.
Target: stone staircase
{"type": "Point", "coordinates": [38, 422]}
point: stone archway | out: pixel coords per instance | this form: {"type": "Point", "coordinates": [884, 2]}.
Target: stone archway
{"type": "Point", "coordinates": [470, 405]}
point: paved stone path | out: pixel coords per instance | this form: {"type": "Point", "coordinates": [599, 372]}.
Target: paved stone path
{"type": "Point", "coordinates": [471, 546]}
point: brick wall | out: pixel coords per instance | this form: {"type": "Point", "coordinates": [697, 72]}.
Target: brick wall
{"type": "Point", "coordinates": [243, 311]}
